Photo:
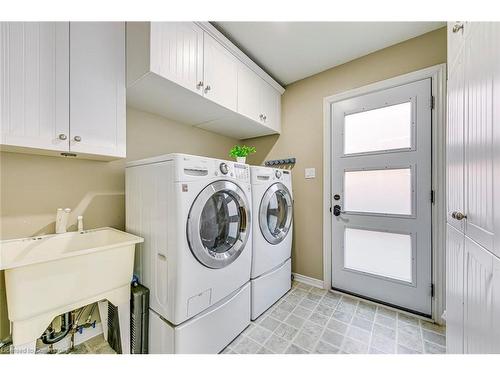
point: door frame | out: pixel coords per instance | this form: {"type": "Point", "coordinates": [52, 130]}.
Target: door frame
{"type": "Point", "coordinates": [437, 73]}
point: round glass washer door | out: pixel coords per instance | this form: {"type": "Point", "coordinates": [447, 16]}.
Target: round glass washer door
{"type": "Point", "coordinates": [275, 213]}
{"type": "Point", "coordinates": [217, 225]}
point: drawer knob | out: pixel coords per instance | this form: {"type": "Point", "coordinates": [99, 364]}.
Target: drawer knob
{"type": "Point", "coordinates": [208, 88]}
{"type": "Point", "coordinates": [62, 137]}
{"type": "Point", "coordinates": [77, 138]}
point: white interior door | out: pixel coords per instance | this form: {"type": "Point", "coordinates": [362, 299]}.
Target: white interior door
{"type": "Point", "coordinates": [381, 180]}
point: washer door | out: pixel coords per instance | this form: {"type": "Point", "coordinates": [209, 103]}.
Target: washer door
{"type": "Point", "coordinates": [217, 225]}
{"type": "Point", "coordinates": [275, 213]}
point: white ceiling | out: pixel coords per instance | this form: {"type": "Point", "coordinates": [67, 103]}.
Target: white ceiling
{"type": "Point", "coordinates": [290, 51]}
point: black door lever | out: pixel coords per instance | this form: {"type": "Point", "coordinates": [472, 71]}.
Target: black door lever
{"type": "Point", "coordinates": [336, 210]}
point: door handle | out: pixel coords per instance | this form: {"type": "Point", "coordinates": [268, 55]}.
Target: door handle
{"type": "Point", "coordinates": [337, 210]}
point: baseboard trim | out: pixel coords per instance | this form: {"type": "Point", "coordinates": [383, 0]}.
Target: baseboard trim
{"type": "Point", "coordinates": [308, 280]}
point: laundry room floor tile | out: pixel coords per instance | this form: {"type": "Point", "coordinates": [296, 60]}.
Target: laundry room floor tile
{"type": "Point", "coordinates": [312, 320]}
{"type": "Point", "coordinates": [320, 322]}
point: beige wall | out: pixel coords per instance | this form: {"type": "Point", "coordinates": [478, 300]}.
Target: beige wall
{"type": "Point", "coordinates": [302, 132]}
{"type": "Point", "coordinates": [32, 187]}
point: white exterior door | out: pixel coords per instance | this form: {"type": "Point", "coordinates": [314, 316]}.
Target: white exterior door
{"type": "Point", "coordinates": [97, 88]}
{"type": "Point", "coordinates": [381, 180]}
{"type": "Point", "coordinates": [34, 84]}
{"type": "Point", "coordinates": [220, 74]}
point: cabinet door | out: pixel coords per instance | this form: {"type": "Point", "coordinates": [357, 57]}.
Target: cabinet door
{"type": "Point", "coordinates": [271, 106]}
{"type": "Point", "coordinates": [97, 88]}
{"type": "Point", "coordinates": [249, 93]}
{"type": "Point", "coordinates": [220, 74]}
{"type": "Point", "coordinates": [455, 143]}
{"type": "Point", "coordinates": [482, 139]}
{"type": "Point", "coordinates": [496, 305]}
{"type": "Point", "coordinates": [34, 84]}
{"type": "Point", "coordinates": [479, 316]}
{"type": "Point", "coordinates": [177, 53]}
{"type": "Point", "coordinates": [454, 290]}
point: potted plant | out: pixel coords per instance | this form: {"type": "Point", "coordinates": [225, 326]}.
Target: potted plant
{"type": "Point", "coordinates": [241, 152]}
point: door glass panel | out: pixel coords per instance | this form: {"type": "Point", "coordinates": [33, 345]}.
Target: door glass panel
{"type": "Point", "coordinates": [385, 191]}
{"type": "Point", "coordinates": [379, 129]}
{"type": "Point", "coordinates": [277, 213]}
{"type": "Point", "coordinates": [220, 222]}
{"type": "Point", "coordinates": [379, 253]}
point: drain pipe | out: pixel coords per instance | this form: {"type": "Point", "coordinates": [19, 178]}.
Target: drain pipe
{"type": "Point", "coordinates": [51, 337]}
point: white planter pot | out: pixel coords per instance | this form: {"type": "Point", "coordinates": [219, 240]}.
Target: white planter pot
{"type": "Point", "coordinates": [241, 160]}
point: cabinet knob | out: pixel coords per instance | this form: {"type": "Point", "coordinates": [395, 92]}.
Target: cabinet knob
{"type": "Point", "coordinates": [62, 137]}
{"type": "Point", "coordinates": [264, 117]}
{"type": "Point", "coordinates": [457, 27]}
{"type": "Point", "coordinates": [458, 215]}
{"type": "Point", "coordinates": [199, 85]}
{"type": "Point", "coordinates": [77, 138]}
{"type": "Point", "coordinates": [208, 88]}
{"type": "Point", "coordinates": [261, 116]}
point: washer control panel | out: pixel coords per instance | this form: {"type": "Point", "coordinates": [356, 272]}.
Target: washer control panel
{"type": "Point", "coordinates": [242, 172]}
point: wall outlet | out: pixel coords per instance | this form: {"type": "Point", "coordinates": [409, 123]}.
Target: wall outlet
{"type": "Point", "coordinates": [310, 172]}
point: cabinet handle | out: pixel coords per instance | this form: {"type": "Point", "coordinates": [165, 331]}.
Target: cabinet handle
{"type": "Point", "coordinates": [77, 138]}
{"type": "Point", "coordinates": [457, 27]}
{"type": "Point", "coordinates": [62, 137]}
{"type": "Point", "coordinates": [199, 85]}
{"type": "Point", "coordinates": [264, 117]}
{"type": "Point", "coordinates": [208, 88]}
{"type": "Point", "coordinates": [458, 215]}
{"type": "Point", "coordinates": [261, 116]}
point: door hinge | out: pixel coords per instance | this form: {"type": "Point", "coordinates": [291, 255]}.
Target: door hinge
{"type": "Point", "coordinates": [433, 101]}
{"type": "Point", "coordinates": [432, 196]}
{"type": "Point", "coordinates": [432, 290]}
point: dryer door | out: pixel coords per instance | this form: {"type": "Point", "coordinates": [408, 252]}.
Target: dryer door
{"type": "Point", "coordinates": [218, 224]}
{"type": "Point", "coordinates": [275, 213]}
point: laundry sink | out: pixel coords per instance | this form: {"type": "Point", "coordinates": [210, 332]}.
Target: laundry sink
{"type": "Point", "coordinates": [49, 275]}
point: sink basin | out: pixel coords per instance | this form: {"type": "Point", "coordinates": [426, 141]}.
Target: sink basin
{"type": "Point", "coordinates": [49, 275]}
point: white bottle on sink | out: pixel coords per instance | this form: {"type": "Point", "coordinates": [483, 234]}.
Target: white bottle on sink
{"type": "Point", "coordinates": [62, 220]}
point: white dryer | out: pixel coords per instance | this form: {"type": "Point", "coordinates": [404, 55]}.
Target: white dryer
{"type": "Point", "coordinates": [272, 236]}
{"type": "Point", "coordinates": [195, 216]}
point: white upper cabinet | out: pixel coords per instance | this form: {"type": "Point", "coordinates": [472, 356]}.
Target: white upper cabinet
{"type": "Point", "coordinates": [189, 72]}
{"type": "Point", "coordinates": [177, 53]}
{"type": "Point", "coordinates": [257, 99]}
{"type": "Point", "coordinates": [97, 88]}
{"type": "Point", "coordinates": [271, 107]}
{"type": "Point", "coordinates": [63, 88]}
{"type": "Point", "coordinates": [34, 85]}
{"type": "Point", "coordinates": [220, 74]}
{"type": "Point", "coordinates": [249, 93]}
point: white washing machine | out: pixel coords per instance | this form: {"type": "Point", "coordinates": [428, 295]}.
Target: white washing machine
{"type": "Point", "coordinates": [195, 216]}
{"type": "Point", "coordinates": [272, 236]}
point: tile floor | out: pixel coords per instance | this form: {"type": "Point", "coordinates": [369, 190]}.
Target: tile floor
{"type": "Point", "coordinates": [313, 320]}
